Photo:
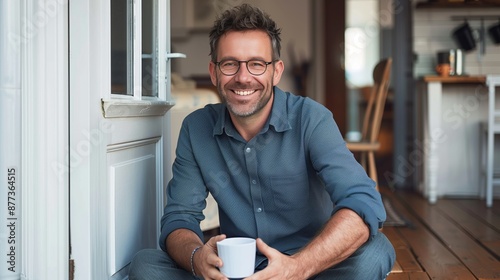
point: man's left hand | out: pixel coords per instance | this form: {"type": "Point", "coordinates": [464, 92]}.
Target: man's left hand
{"type": "Point", "coordinates": [280, 266]}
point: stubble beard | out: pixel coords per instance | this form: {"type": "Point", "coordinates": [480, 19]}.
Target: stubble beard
{"type": "Point", "coordinates": [254, 109]}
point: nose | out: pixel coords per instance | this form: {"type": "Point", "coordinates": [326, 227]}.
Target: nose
{"type": "Point", "coordinates": [243, 75]}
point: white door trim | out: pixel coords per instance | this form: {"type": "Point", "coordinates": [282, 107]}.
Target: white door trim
{"type": "Point", "coordinates": [87, 155]}
{"type": "Point", "coordinates": [45, 176]}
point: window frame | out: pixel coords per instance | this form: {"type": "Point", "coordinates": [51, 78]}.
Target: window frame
{"type": "Point", "coordinates": [134, 104]}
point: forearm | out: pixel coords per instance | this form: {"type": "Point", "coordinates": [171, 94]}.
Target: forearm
{"type": "Point", "coordinates": [343, 234]}
{"type": "Point", "coordinates": [180, 245]}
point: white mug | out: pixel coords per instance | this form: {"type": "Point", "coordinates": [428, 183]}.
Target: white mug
{"type": "Point", "coordinates": [238, 256]}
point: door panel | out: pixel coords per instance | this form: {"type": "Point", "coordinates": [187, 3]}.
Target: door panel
{"type": "Point", "coordinates": [132, 185]}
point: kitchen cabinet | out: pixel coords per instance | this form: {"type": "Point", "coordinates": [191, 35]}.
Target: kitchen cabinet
{"type": "Point", "coordinates": [446, 152]}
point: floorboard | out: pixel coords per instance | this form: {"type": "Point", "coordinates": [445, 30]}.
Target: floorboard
{"type": "Point", "coordinates": [481, 212]}
{"type": "Point", "coordinates": [451, 234]}
{"type": "Point", "coordinates": [428, 249]}
{"type": "Point", "coordinates": [483, 233]}
{"type": "Point", "coordinates": [408, 276]}
{"type": "Point", "coordinates": [452, 239]}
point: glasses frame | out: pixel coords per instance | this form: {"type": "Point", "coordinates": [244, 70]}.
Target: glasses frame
{"type": "Point", "coordinates": [246, 63]}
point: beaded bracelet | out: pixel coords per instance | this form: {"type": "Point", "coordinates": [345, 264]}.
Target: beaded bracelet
{"type": "Point", "coordinates": [191, 260]}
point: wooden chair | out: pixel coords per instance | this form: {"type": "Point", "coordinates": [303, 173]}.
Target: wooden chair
{"type": "Point", "coordinates": [372, 119]}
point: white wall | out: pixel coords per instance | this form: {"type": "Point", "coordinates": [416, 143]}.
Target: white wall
{"type": "Point", "coordinates": [293, 16]}
{"type": "Point", "coordinates": [432, 33]}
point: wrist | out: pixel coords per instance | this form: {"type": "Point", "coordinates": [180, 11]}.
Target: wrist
{"type": "Point", "coordinates": [302, 267]}
{"type": "Point", "coordinates": [191, 260]}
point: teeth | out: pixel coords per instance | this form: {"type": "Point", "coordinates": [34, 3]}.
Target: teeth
{"type": "Point", "coordinates": [244, 92]}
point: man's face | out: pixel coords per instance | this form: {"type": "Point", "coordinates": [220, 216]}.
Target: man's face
{"type": "Point", "coordinates": [246, 94]}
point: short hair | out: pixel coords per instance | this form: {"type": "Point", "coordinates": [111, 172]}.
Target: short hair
{"type": "Point", "coordinates": [242, 18]}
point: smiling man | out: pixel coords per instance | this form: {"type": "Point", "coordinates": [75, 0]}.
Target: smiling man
{"type": "Point", "coordinates": [278, 168]}
{"type": "Point", "coordinates": [246, 91]}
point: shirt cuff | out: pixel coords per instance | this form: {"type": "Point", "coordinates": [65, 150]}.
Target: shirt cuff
{"type": "Point", "coordinates": [374, 218]}
{"type": "Point", "coordinates": [172, 226]}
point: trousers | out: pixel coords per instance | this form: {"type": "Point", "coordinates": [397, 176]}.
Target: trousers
{"type": "Point", "coordinates": [373, 260]}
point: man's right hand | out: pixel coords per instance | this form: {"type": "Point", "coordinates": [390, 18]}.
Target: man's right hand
{"type": "Point", "coordinates": [206, 262]}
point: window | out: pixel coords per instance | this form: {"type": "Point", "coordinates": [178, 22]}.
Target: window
{"type": "Point", "coordinates": [139, 48]}
{"type": "Point", "coordinates": [135, 46]}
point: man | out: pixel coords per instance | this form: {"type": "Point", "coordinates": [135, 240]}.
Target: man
{"type": "Point", "coordinates": [278, 168]}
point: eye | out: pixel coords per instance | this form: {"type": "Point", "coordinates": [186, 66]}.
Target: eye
{"type": "Point", "coordinates": [256, 64]}
{"type": "Point", "coordinates": [229, 63]}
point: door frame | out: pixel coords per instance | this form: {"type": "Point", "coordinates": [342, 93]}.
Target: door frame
{"type": "Point", "coordinates": [44, 146]}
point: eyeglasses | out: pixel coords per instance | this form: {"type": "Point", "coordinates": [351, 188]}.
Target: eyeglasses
{"type": "Point", "coordinates": [230, 67]}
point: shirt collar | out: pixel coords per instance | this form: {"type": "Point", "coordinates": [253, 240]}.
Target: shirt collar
{"type": "Point", "coordinates": [279, 114]}
{"type": "Point", "coordinates": [278, 120]}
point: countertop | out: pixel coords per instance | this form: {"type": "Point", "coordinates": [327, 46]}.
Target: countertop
{"type": "Point", "coordinates": [456, 79]}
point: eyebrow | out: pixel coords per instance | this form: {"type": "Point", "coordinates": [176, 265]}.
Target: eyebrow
{"type": "Point", "coordinates": [251, 58]}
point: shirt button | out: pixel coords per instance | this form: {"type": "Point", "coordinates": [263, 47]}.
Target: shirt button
{"type": "Point", "coordinates": [248, 150]}
{"type": "Point", "coordinates": [259, 209]}
{"type": "Point", "coordinates": [254, 182]}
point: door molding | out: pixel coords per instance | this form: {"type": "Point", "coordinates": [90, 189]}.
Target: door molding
{"type": "Point", "coordinates": [45, 162]}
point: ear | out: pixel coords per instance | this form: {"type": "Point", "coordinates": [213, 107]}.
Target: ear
{"type": "Point", "coordinates": [212, 68]}
{"type": "Point", "coordinates": [279, 67]}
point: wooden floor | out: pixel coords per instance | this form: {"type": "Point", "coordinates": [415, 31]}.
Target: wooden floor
{"type": "Point", "coordinates": [452, 239]}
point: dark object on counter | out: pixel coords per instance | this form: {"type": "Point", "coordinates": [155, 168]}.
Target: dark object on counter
{"type": "Point", "coordinates": [443, 57]}
{"type": "Point", "coordinates": [494, 32]}
{"type": "Point", "coordinates": [464, 37]}
{"type": "Point", "coordinates": [456, 60]}
{"type": "Point", "coordinates": [443, 67]}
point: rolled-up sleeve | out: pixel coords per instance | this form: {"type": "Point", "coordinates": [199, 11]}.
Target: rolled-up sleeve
{"type": "Point", "coordinates": [186, 192]}
{"type": "Point", "coordinates": [344, 178]}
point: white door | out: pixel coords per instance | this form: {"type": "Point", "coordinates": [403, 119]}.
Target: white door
{"type": "Point", "coordinates": [119, 95]}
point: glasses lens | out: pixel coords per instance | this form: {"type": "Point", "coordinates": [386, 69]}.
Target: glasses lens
{"type": "Point", "coordinates": [231, 67]}
{"type": "Point", "coordinates": [256, 67]}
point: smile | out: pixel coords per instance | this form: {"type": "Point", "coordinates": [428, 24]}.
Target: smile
{"type": "Point", "coordinates": [244, 92]}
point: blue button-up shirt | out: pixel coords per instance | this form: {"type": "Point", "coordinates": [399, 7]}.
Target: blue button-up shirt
{"type": "Point", "coordinates": [282, 186]}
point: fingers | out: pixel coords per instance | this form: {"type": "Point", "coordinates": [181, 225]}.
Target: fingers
{"type": "Point", "coordinates": [209, 261]}
{"type": "Point", "coordinates": [214, 260]}
{"type": "Point", "coordinates": [212, 244]}
{"type": "Point", "coordinates": [277, 267]}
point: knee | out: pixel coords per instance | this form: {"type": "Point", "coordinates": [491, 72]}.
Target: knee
{"type": "Point", "coordinates": [373, 260]}
{"type": "Point", "coordinates": [144, 256]}
{"type": "Point", "coordinates": [380, 252]}
{"type": "Point", "coordinates": [141, 262]}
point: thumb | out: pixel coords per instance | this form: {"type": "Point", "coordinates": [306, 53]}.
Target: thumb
{"type": "Point", "coordinates": [264, 248]}
{"type": "Point", "coordinates": [212, 242]}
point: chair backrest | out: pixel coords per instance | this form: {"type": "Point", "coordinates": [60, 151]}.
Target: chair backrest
{"type": "Point", "coordinates": [376, 102]}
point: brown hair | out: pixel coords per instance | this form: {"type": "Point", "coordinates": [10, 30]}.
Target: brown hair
{"type": "Point", "coordinates": [241, 18]}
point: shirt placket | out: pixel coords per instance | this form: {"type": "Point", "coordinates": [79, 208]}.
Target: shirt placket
{"type": "Point", "coordinates": [255, 189]}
